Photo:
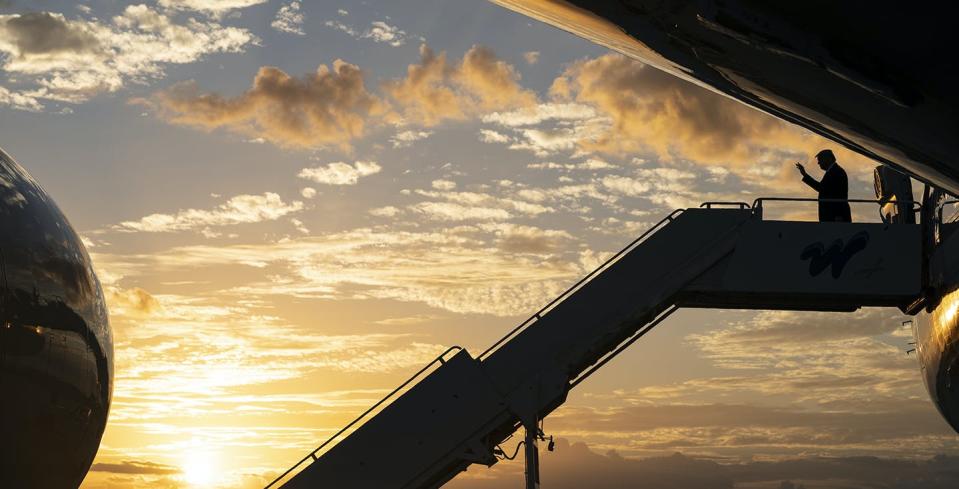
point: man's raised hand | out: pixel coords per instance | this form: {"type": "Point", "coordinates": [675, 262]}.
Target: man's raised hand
{"type": "Point", "coordinates": [801, 168]}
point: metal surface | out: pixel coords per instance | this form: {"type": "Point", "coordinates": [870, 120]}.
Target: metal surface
{"type": "Point", "coordinates": [531, 447]}
{"type": "Point", "coordinates": [814, 266]}
{"type": "Point", "coordinates": [56, 348]}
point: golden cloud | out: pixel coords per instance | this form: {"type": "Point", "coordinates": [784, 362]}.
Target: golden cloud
{"type": "Point", "coordinates": [132, 302]}
{"type": "Point", "coordinates": [434, 90]}
{"type": "Point", "coordinates": [651, 110]}
{"type": "Point", "coordinates": [333, 107]}
{"type": "Point", "coordinates": [326, 107]}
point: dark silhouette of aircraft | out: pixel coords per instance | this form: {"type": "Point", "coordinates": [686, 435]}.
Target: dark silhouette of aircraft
{"type": "Point", "coordinates": [869, 76]}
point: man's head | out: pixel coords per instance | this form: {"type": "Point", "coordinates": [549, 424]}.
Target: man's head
{"type": "Point", "coordinates": [825, 158]}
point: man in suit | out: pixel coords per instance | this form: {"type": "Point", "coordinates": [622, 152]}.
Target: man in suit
{"type": "Point", "coordinates": [834, 185]}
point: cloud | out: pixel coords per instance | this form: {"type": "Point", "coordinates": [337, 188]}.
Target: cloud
{"type": "Point", "coordinates": [299, 226]}
{"type": "Point", "coordinates": [408, 320]}
{"type": "Point", "coordinates": [332, 107]}
{"type": "Point", "coordinates": [589, 164]}
{"type": "Point", "coordinates": [131, 302]}
{"type": "Point", "coordinates": [531, 57]}
{"type": "Point", "coordinates": [324, 108]}
{"type": "Point", "coordinates": [434, 90]}
{"type": "Point", "coordinates": [544, 112]}
{"type": "Point", "coordinates": [561, 127]}
{"type": "Point", "coordinates": [405, 139]}
{"type": "Point", "coordinates": [340, 26]}
{"type": "Point", "coordinates": [19, 101]}
{"type": "Point", "coordinates": [339, 173]}
{"type": "Point", "coordinates": [240, 209]}
{"type": "Point", "coordinates": [485, 201]}
{"type": "Point", "coordinates": [654, 182]}
{"type": "Point", "coordinates": [466, 269]}
{"type": "Point", "coordinates": [289, 19]}
{"type": "Point", "coordinates": [651, 110]}
{"type": "Point", "coordinates": [448, 211]}
{"type": "Point", "coordinates": [308, 192]}
{"type": "Point", "coordinates": [443, 184]}
{"type": "Point", "coordinates": [836, 362]}
{"type": "Point", "coordinates": [68, 60]}
{"type": "Point", "coordinates": [134, 467]}
{"type": "Point", "coordinates": [44, 33]}
{"type": "Point", "coordinates": [515, 238]}
{"type": "Point", "coordinates": [490, 136]}
{"type": "Point", "coordinates": [214, 7]}
{"type": "Point", "coordinates": [387, 211]}
{"type": "Point", "coordinates": [733, 430]}
{"type": "Point", "coordinates": [576, 465]}
{"type": "Point", "coordinates": [379, 31]}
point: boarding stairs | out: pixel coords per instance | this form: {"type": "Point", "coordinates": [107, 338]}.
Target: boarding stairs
{"type": "Point", "coordinates": [458, 409]}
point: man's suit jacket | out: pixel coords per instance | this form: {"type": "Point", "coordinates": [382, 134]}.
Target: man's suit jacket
{"type": "Point", "coordinates": [834, 185]}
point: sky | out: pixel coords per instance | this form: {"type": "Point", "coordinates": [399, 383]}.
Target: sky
{"type": "Point", "coordinates": [294, 205]}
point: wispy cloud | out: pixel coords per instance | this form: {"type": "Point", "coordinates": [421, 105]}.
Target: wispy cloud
{"type": "Point", "coordinates": [342, 27]}
{"type": "Point", "coordinates": [289, 19]}
{"type": "Point", "coordinates": [491, 136]}
{"type": "Point", "coordinates": [378, 31]}
{"type": "Point", "coordinates": [405, 139]}
{"type": "Point", "coordinates": [339, 173]}
{"type": "Point", "coordinates": [483, 269]}
{"type": "Point", "coordinates": [213, 7]}
{"type": "Point", "coordinates": [237, 210]}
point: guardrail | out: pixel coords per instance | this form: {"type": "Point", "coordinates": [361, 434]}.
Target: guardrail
{"type": "Point", "coordinates": [758, 203]}
{"type": "Point", "coordinates": [532, 319]}
{"type": "Point", "coordinates": [710, 205]}
{"type": "Point", "coordinates": [312, 455]}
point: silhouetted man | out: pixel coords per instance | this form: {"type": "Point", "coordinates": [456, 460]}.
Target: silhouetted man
{"type": "Point", "coordinates": [834, 185]}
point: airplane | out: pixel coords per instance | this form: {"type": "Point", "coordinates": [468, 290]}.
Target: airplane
{"type": "Point", "coordinates": [870, 76]}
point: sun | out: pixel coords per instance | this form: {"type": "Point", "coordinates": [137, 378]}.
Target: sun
{"type": "Point", "coordinates": [200, 470]}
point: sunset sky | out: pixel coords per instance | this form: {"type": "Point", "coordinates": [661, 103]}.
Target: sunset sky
{"type": "Point", "coordinates": [293, 205]}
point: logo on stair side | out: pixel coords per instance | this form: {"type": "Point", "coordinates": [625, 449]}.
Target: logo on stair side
{"type": "Point", "coordinates": [837, 255]}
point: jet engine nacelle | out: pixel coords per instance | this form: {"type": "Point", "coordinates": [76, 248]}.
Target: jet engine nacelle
{"type": "Point", "coordinates": [56, 347]}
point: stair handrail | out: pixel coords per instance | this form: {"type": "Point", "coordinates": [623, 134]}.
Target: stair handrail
{"type": "Point", "coordinates": [440, 359]}
{"type": "Point", "coordinates": [718, 203]}
{"type": "Point", "coordinates": [758, 203]}
{"type": "Point", "coordinates": [624, 345]}
{"type": "Point", "coordinates": [530, 320]}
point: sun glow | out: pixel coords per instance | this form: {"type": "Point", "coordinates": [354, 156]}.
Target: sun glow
{"type": "Point", "coordinates": [200, 469]}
